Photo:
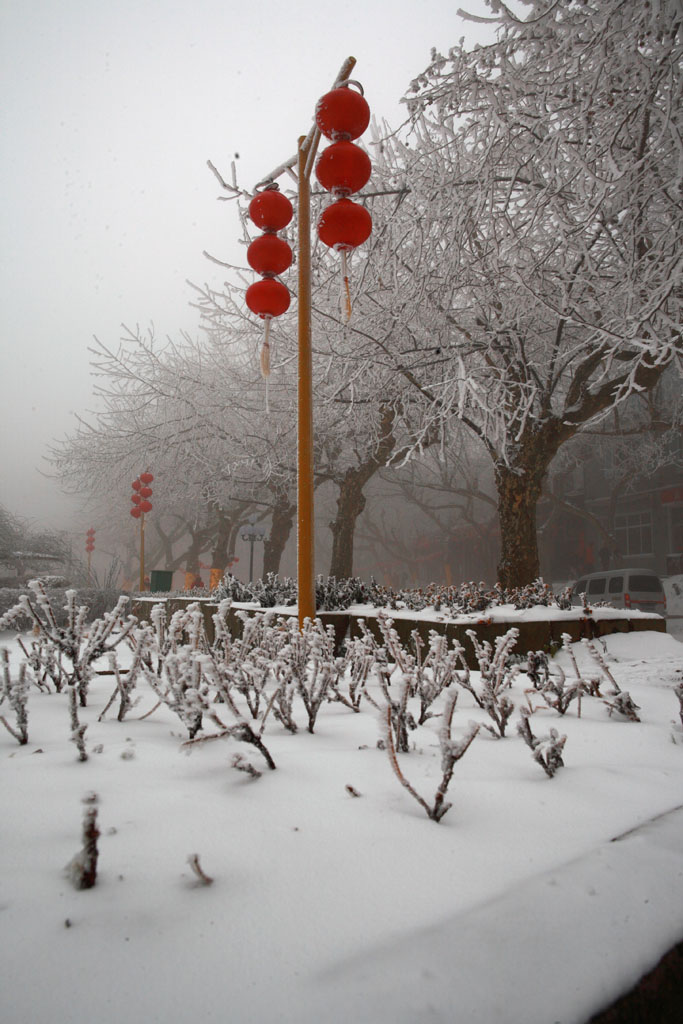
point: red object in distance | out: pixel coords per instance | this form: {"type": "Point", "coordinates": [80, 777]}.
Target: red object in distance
{"type": "Point", "coordinates": [270, 210]}
{"type": "Point", "coordinates": [344, 225]}
{"type": "Point", "coordinates": [136, 485]}
{"type": "Point", "coordinates": [268, 298]}
{"type": "Point", "coordinates": [136, 499]}
{"type": "Point", "coordinates": [145, 506]}
{"type": "Point", "coordinates": [146, 478]}
{"type": "Point", "coordinates": [343, 168]}
{"type": "Point", "coordinates": [136, 511]}
{"type": "Point", "coordinates": [146, 492]}
{"type": "Point", "coordinates": [342, 114]}
{"type": "Point", "coordinates": [269, 255]}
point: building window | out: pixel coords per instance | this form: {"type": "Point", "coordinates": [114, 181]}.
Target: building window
{"type": "Point", "coordinates": [634, 533]}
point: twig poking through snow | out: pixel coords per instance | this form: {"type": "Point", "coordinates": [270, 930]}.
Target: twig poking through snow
{"type": "Point", "coordinates": [193, 861]}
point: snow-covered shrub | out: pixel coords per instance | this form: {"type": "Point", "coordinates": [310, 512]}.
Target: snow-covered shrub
{"type": "Point", "coordinates": [547, 752]}
{"type": "Point", "coordinates": [436, 672]}
{"type": "Point", "coordinates": [308, 659]}
{"type": "Point", "coordinates": [15, 692]}
{"type": "Point", "coordinates": [496, 676]}
{"type": "Point", "coordinates": [78, 641]}
{"type": "Point", "coordinates": [451, 752]}
{"type": "Point", "coordinates": [678, 690]}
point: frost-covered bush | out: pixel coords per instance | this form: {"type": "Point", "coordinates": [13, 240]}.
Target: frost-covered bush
{"type": "Point", "coordinates": [14, 692]}
{"type": "Point", "coordinates": [97, 601]}
{"type": "Point", "coordinates": [496, 676]}
{"type": "Point", "coordinates": [76, 645]}
{"type": "Point", "coordinates": [548, 752]}
{"type": "Point", "coordinates": [451, 752]}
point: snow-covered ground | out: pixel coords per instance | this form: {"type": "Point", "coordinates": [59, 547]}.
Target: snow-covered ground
{"type": "Point", "coordinates": [534, 900]}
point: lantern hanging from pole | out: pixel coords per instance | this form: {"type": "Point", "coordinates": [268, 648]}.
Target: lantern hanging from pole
{"type": "Point", "coordinates": [136, 511]}
{"type": "Point", "coordinates": [146, 478]}
{"type": "Point", "coordinates": [269, 256]}
{"type": "Point", "coordinates": [342, 169]}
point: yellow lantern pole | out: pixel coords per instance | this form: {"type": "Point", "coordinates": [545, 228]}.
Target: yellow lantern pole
{"type": "Point", "coordinates": [142, 552]}
{"type": "Point", "coordinates": [308, 145]}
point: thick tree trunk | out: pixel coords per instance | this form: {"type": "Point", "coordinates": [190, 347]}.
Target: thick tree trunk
{"type": "Point", "coordinates": [280, 528]}
{"type": "Point", "coordinates": [350, 504]}
{"type": "Point", "coordinates": [519, 488]}
{"type": "Point", "coordinates": [224, 545]}
{"type": "Point", "coordinates": [351, 500]}
{"type": "Point", "coordinates": [517, 499]}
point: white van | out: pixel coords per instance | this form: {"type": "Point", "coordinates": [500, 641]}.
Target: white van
{"type": "Point", "coordinates": [622, 588]}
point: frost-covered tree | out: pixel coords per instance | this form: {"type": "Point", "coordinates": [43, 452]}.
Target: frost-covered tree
{"type": "Point", "coordinates": [532, 269]}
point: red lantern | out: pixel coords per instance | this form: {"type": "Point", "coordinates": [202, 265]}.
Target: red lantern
{"type": "Point", "coordinates": [268, 298]}
{"type": "Point", "coordinates": [342, 114]}
{"type": "Point", "coordinates": [136, 511]}
{"type": "Point", "coordinates": [136, 485]}
{"type": "Point", "coordinates": [344, 225]}
{"type": "Point", "coordinates": [146, 492]}
{"type": "Point", "coordinates": [90, 540]}
{"type": "Point", "coordinates": [269, 255]}
{"type": "Point", "coordinates": [136, 499]}
{"type": "Point", "coordinates": [343, 168]}
{"type": "Point", "coordinates": [146, 478]}
{"type": "Point", "coordinates": [145, 506]}
{"type": "Point", "coordinates": [270, 210]}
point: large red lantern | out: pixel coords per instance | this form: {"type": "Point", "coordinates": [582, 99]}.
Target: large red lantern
{"type": "Point", "coordinates": [342, 113]}
{"type": "Point", "coordinates": [268, 298]}
{"type": "Point", "coordinates": [270, 210]}
{"type": "Point", "coordinates": [344, 225]}
{"type": "Point", "coordinates": [269, 255]}
{"type": "Point", "coordinates": [343, 168]}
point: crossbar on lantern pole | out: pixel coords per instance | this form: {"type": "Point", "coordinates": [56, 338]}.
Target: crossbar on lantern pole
{"type": "Point", "coordinates": [307, 147]}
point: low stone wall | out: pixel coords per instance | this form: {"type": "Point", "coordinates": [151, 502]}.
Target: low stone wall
{"type": "Point", "coordinates": [534, 635]}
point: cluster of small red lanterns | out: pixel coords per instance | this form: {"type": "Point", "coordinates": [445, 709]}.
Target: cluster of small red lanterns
{"type": "Point", "coordinates": [342, 115]}
{"type": "Point", "coordinates": [269, 255]}
{"type": "Point", "coordinates": [142, 492]}
{"type": "Point", "coordinates": [90, 540]}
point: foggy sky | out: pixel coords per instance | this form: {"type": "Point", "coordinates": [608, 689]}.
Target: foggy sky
{"type": "Point", "coordinates": [109, 114]}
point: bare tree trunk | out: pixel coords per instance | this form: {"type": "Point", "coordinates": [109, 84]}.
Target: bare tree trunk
{"type": "Point", "coordinates": [519, 488]}
{"type": "Point", "coordinates": [350, 504]}
{"type": "Point", "coordinates": [280, 528]}
{"type": "Point", "coordinates": [351, 500]}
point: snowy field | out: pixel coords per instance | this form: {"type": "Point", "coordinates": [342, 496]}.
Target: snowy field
{"type": "Point", "coordinates": [534, 900]}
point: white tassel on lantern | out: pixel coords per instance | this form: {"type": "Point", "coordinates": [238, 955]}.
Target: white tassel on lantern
{"type": "Point", "coordinates": [346, 287]}
{"type": "Point", "coordinates": [265, 357]}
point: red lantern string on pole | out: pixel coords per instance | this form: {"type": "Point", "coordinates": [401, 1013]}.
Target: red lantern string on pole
{"type": "Point", "coordinates": [269, 256]}
{"type": "Point", "coordinates": [141, 504]}
{"type": "Point", "coordinates": [342, 169]}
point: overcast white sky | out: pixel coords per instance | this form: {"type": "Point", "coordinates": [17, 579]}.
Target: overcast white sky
{"type": "Point", "coordinates": [109, 114]}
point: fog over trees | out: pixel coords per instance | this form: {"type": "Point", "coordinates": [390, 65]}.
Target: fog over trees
{"type": "Point", "coordinates": [520, 296]}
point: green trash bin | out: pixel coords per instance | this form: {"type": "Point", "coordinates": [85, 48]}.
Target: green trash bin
{"type": "Point", "coordinates": [161, 581]}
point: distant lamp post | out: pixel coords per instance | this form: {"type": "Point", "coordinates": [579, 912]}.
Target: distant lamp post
{"type": "Point", "coordinates": [252, 533]}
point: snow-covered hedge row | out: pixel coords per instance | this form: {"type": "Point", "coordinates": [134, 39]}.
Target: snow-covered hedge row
{"type": "Point", "coordinates": [96, 601]}
{"type": "Point", "coordinates": [334, 594]}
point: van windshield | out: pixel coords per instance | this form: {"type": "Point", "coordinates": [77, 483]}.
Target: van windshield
{"type": "Point", "coordinates": [645, 584]}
